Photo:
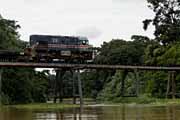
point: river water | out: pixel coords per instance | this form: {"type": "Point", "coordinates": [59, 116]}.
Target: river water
{"type": "Point", "coordinates": [121, 112]}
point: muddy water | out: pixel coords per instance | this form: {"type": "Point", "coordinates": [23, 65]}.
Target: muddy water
{"type": "Point", "coordinates": [123, 112]}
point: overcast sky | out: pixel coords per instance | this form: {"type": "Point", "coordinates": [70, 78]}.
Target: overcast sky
{"type": "Point", "coordinates": [99, 20]}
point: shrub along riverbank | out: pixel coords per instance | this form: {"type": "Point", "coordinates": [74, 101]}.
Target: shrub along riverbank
{"type": "Point", "coordinates": [120, 101]}
{"type": "Point", "coordinates": [142, 100]}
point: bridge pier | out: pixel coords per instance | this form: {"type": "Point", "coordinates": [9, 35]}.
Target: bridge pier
{"type": "Point", "coordinates": [74, 85]}
{"type": "Point", "coordinates": [1, 71]}
{"type": "Point", "coordinates": [76, 74]}
{"type": "Point", "coordinates": [59, 85]}
{"type": "Point", "coordinates": [171, 84]}
{"type": "Point", "coordinates": [80, 88]}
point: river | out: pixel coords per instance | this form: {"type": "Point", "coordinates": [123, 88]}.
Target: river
{"type": "Point", "coordinates": [119, 112]}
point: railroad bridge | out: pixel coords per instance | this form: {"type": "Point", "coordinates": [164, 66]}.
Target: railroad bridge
{"type": "Point", "coordinates": [61, 68]}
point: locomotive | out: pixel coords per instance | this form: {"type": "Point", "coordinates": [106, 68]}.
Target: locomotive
{"type": "Point", "coordinates": [48, 48]}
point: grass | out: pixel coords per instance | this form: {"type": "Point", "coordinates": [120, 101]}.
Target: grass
{"type": "Point", "coordinates": [166, 101]}
{"type": "Point", "coordinates": [143, 100]}
{"type": "Point", "coordinates": [120, 100]}
{"type": "Point", "coordinates": [47, 106]}
{"type": "Point", "coordinates": [43, 106]}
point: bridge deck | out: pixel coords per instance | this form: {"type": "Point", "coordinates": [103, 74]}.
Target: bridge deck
{"type": "Point", "coordinates": [86, 66]}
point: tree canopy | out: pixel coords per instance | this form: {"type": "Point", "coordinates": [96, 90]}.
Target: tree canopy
{"type": "Point", "coordinates": [20, 85]}
{"type": "Point", "coordinates": [166, 20]}
{"type": "Point", "coordinates": [9, 35]}
{"type": "Point", "coordinates": [124, 52]}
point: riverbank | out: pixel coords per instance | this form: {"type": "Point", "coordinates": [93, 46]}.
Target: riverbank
{"type": "Point", "coordinates": [117, 101]}
{"type": "Point", "coordinates": [42, 106]}
{"type": "Point", "coordinates": [139, 100]}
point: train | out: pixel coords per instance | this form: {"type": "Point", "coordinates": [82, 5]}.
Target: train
{"type": "Point", "coordinates": [51, 48]}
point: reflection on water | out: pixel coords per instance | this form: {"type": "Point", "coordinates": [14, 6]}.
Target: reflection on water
{"type": "Point", "coordinates": [61, 116]}
{"type": "Point", "coordinates": [73, 114]}
{"type": "Point", "coordinates": [45, 116]}
{"type": "Point", "coordinates": [124, 112]}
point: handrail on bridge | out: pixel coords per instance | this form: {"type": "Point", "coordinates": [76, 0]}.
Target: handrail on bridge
{"type": "Point", "coordinates": [87, 66]}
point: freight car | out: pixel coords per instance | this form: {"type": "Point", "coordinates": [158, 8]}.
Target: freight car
{"type": "Point", "coordinates": [9, 55]}
{"type": "Point", "coordinates": [47, 48]}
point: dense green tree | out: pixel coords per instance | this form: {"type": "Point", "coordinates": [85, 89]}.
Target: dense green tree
{"type": "Point", "coordinates": [39, 83]}
{"type": "Point", "coordinates": [94, 81]}
{"type": "Point", "coordinates": [166, 20]}
{"type": "Point", "coordinates": [112, 88]}
{"type": "Point", "coordinates": [164, 56]}
{"type": "Point", "coordinates": [9, 36]}
{"type": "Point", "coordinates": [16, 85]}
{"type": "Point", "coordinates": [156, 83]}
{"type": "Point", "coordinates": [107, 84]}
{"type": "Point", "coordinates": [19, 85]}
{"type": "Point", "coordinates": [165, 51]}
{"type": "Point", "coordinates": [122, 52]}
{"type": "Point", "coordinates": [24, 85]}
{"type": "Point", "coordinates": [156, 54]}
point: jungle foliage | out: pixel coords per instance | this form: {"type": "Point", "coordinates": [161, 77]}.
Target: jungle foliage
{"type": "Point", "coordinates": [107, 84]}
{"type": "Point", "coordinates": [163, 50]}
{"type": "Point", "coordinates": [166, 20]}
{"type": "Point", "coordinates": [27, 85]}
{"type": "Point", "coordinates": [19, 85]}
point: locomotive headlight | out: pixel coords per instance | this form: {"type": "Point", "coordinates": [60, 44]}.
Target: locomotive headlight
{"type": "Point", "coordinates": [84, 42]}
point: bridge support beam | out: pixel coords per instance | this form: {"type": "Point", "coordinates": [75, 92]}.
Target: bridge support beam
{"type": "Point", "coordinates": [80, 88]}
{"type": "Point", "coordinates": [74, 85]}
{"type": "Point", "coordinates": [59, 85]}
{"type": "Point", "coordinates": [1, 71]}
{"type": "Point", "coordinates": [171, 85]}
